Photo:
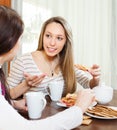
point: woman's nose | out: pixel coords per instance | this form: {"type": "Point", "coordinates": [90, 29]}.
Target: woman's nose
{"type": "Point", "coordinates": [53, 41]}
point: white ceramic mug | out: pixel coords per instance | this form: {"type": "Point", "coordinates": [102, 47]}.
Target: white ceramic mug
{"type": "Point", "coordinates": [103, 94]}
{"type": "Point", "coordinates": [36, 102]}
{"type": "Point", "coordinates": [56, 90]}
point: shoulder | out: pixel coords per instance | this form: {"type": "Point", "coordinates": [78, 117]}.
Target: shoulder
{"type": "Point", "coordinates": [1, 97]}
{"type": "Point", "coordinates": [21, 60]}
{"type": "Point", "coordinates": [26, 55]}
{"type": "Point", "coordinates": [23, 57]}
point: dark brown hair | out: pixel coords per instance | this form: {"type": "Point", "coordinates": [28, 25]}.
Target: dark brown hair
{"type": "Point", "coordinates": [11, 28]}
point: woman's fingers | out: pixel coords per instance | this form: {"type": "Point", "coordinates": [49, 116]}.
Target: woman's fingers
{"type": "Point", "coordinates": [33, 80]}
{"type": "Point", "coordinates": [37, 80]}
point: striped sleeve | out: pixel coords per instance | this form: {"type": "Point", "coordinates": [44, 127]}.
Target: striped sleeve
{"type": "Point", "coordinates": [24, 63]}
{"type": "Point", "coordinates": [16, 73]}
{"type": "Point", "coordinates": [83, 78]}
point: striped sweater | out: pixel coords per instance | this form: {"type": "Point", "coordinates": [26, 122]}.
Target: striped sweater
{"type": "Point", "coordinates": [25, 63]}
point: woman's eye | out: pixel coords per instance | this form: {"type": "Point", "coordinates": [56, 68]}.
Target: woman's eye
{"type": "Point", "coordinates": [47, 35]}
{"type": "Point", "coordinates": [59, 38]}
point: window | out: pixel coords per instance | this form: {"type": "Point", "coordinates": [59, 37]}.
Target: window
{"type": "Point", "coordinates": [91, 22]}
{"type": "Point", "coordinates": [34, 14]}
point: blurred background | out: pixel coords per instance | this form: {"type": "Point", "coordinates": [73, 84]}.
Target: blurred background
{"type": "Point", "coordinates": [94, 27]}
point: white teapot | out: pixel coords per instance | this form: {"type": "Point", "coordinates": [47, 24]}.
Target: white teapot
{"type": "Point", "coordinates": [103, 93]}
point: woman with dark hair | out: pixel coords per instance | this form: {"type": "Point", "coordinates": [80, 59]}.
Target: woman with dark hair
{"type": "Point", "coordinates": [11, 29]}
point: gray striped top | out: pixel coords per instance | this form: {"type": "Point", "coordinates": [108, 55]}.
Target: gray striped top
{"type": "Point", "coordinates": [25, 63]}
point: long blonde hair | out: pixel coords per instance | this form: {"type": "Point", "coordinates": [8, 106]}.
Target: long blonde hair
{"type": "Point", "coordinates": [66, 62]}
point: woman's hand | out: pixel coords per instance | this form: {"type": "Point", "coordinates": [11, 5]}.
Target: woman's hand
{"type": "Point", "coordinates": [19, 104]}
{"type": "Point", "coordinates": [95, 71]}
{"type": "Point", "coordinates": [33, 80]}
{"type": "Point", "coordinates": [85, 98]}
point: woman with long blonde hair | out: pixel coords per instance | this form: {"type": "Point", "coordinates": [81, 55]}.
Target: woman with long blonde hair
{"type": "Point", "coordinates": [53, 60]}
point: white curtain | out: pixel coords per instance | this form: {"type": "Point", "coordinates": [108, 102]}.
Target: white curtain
{"type": "Point", "coordinates": [93, 25]}
{"type": "Point", "coordinates": [17, 5]}
{"type": "Point", "coordinates": [113, 47]}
